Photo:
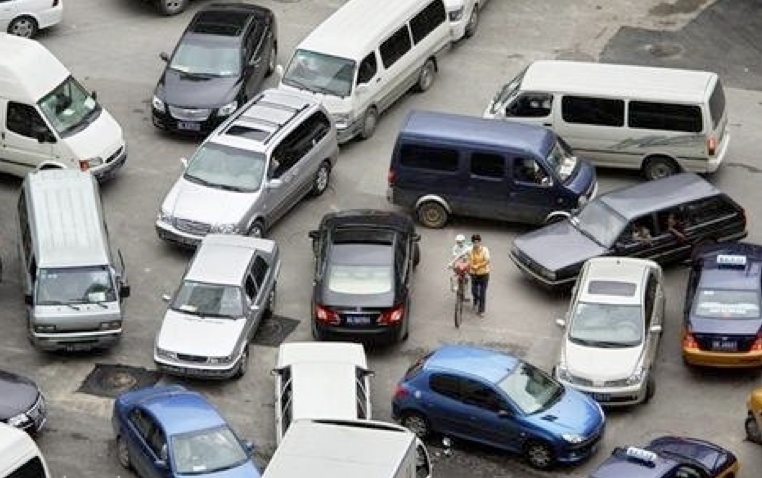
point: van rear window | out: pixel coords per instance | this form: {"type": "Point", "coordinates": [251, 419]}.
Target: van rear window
{"type": "Point", "coordinates": [427, 20]}
{"type": "Point", "coordinates": [717, 104]}
{"type": "Point", "coordinates": [427, 157]}
{"type": "Point", "coordinates": [665, 116]}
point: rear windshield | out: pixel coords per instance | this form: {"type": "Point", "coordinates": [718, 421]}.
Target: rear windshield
{"type": "Point", "coordinates": [717, 104]}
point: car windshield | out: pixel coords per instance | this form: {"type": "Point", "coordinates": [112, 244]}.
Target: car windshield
{"type": "Point", "coordinates": [606, 325]}
{"type": "Point", "coordinates": [223, 167]}
{"type": "Point", "coordinates": [75, 285]}
{"type": "Point", "coordinates": [530, 388]}
{"type": "Point", "coordinates": [202, 299]}
{"type": "Point", "coordinates": [207, 451]}
{"type": "Point", "coordinates": [600, 223]}
{"type": "Point", "coordinates": [69, 108]}
{"type": "Point", "coordinates": [206, 59]}
{"type": "Point", "coordinates": [724, 303]}
{"type": "Point", "coordinates": [562, 160]}
{"type": "Point", "coordinates": [360, 269]}
{"type": "Point", "coordinates": [509, 91]}
{"type": "Point", "coordinates": [320, 73]}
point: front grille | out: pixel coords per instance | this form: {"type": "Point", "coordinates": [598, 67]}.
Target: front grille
{"type": "Point", "coordinates": [616, 383]}
{"type": "Point", "coordinates": [115, 155]}
{"type": "Point", "coordinates": [577, 380]}
{"type": "Point", "coordinates": [38, 409]}
{"type": "Point", "coordinates": [189, 114]}
{"type": "Point", "coordinates": [622, 398]}
{"type": "Point", "coordinates": [192, 227]}
{"type": "Point", "coordinates": [192, 358]}
{"type": "Point", "coordinates": [724, 343]}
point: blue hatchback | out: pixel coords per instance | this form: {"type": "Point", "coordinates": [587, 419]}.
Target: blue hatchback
{"type": "Point", "coordinates": [497, 399]}
{"type": "Point", "coordinates": [170, 432]}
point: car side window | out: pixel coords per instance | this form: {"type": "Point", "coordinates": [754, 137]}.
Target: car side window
{"type": "Point", "coordinates": [367, 69]}
{"type": "Point", "coordinates": [687, 471]}
{"type": "Point", "coordinates": [299, 142]}
{"type": "Point", "coordinates": [446, 385]}
{"type": "Point", "coordinates": [480, 395]}
{"type": "Point", "coordinates": [362, 393]}
{"type": "Point", "coordinates": [285, 399]}
{"type": "Point", "coordinates": [25, 120]}
{"type": "Point", "coordinates": [650, 297]}
{"type": "Point", "coordinates": [531, 105]}
{"type": "Point", "coordinates": [709, 210]}
{"type": "Point", "coordinates": [395, 46]}
{"type": "Point", "coordinates": [528, 171]}
{"type": "Point", "coordinates": [141, 422]}
{"type": "Point", "coordinates": [158, 442]}
{"type": "Point", "coordinates": [487, 165]}
{"type": "Point", "coordinates": [259, 271]}
{"type": "Point", "coordinates": [250, 288]}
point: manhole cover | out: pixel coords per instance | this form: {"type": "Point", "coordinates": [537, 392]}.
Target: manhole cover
{"type": "Point", "coordinates": [110, 380]}
{"type": "Point", "coordinates": [664, 50]}
{"type": "Point", "coordinates": [274, 330]}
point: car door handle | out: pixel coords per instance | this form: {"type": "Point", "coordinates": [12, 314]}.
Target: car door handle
{"type": "Point", "coordinates": [547, 124]}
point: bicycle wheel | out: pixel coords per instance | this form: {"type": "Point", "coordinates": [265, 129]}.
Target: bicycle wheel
{"type": "Point", "coordinates": [459, 302]}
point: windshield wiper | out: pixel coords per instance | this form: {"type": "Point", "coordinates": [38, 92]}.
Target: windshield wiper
{"type": "Point", "coordinates": [610, 345]}
{"type": "Point", "coordinates": [296, 83]}
{"type": "Point", "coordinates": [196, 179]}
{"type": "Point", "coordinates": [228, 187]}
{"type": "Point", "coordinates": [59, 302]}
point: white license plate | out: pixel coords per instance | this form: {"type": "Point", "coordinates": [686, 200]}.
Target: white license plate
{"type": "Point", "coordinates": [723, 345]}
{"type": "Point", "coordinates": [601, 397]}
{"type": "Point", "coordinates": [358, 320]}
{"type": "Point", "coordinates": [188, 126]}
{"type": "Point", "coordinates": [78, 347]}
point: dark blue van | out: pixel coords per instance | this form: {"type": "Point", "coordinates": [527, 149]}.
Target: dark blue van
{"type": "Point", "coordinates": [446, 164]}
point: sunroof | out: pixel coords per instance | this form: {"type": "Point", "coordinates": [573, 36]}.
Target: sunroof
{"type": "Point", "coordinates": [248, 132]}
{"type": "Point", "coordinates": [219, 23]}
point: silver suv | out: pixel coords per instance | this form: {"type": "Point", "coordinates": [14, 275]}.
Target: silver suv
{"type": "Point", "coordinates": [252, 169]}
{"type": "Point", "coordinates": [227, 289]}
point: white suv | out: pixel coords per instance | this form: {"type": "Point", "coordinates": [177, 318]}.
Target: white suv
{"type": "Point", "coordinates": [612, 330]}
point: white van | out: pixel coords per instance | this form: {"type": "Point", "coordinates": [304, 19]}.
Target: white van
{"type": "Point", "coordinates": [19, 455]}
{"type": "Point", "coordinates": [659, 120]}
{"type": "Point", "coordinates": [48, 119]}
{"type": "Point", "coordinates": [368, 54]}
{"type": "Point", "coordinates": [73, 284]}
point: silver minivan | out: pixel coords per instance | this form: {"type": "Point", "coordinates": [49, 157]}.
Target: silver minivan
{"type": "Point", "coordinates": [257, 165]}
{"type": "Point", "coordinates": [73, 282]}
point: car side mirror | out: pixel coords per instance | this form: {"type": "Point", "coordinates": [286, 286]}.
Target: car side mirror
{"type": "Point", "coordinates": [249, 446]}
{"type": "Point", "coordinates": [279, 71]}
{"type": "Point", "coordinates": [655, 329]}
{"type": "Point", "coordinates": [314, 235]}
{"type": "Point", "coordinates": [253, 307]}
{"type": "Point", "coordinates": [369, 373]}
{"type": "Point", "coordinates": [161, 464]}
{"type": "Point", "coordinates": [561, 322]}
{"type": "Point", "coordinates": [164, 56]}
{"type": "Point", "coordinates": [28, 299]}
{"type": "Point", "coordinates": [124, 291]}
{"type": "Point", "coordinates": [165, 297]}
{"type": "Point", "coordinates": [274, 183]}
{"type": "Point", "coordinates": [275, 372]}
{"type": "Point", "coordinates": [184, 162]}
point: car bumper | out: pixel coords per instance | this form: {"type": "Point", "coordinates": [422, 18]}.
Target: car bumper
{"type": "Point", "coordinates": [391, 333]}
{"type": "Point", "coordinates": [196, 370]}
{"type": "Point", "coordinates": [614, 396]}
{"type": "Point", "coordinates": [166, 122]}
{"type": "Point", "coordinates": [169, 233]}
{"type": "Point", "coordinates": [75, 342]}
{"type": "Point", "coordinates": [579, 453]}
{"type": "Point", "coordinates": [51, 16]}
{"type": "Point", "coordinates": [344, 135]}
{"type": "Point", "coordinates": [112, 166]}
{"type": "Point", "coordinates": [543, 281]}
{"type": "Point", "coordinates": [722, 359]}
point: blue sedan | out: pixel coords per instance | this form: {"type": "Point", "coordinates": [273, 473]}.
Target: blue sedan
{"type": "Point", "coordinates": [170, 431]}
{"type": "Point", "coordinates": [497, 399]}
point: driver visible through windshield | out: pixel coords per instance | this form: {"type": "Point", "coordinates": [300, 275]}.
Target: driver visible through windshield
{"type": "Point", "coordinates": [208, 300]}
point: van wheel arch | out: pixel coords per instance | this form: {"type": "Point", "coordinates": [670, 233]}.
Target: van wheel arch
{"type": "Point", "coordinates": [427, 75]}
{"type": "Point", "coordinates": [659, 166]}
{"type": "Point", "coordinates": [432, 212]}
{"type": "Point", "coordinates": [369, 122]}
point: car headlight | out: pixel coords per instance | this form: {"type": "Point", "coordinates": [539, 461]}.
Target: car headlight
{"type": "Point", "coordinates": [582, 201]}
{"type": "Point", "coordinates": [225, 228]}
{"type": "Point", "coordinates": [157, 103]}
{"type": "Point", "coordinates": [45, 328]}
{"type": "Point", "coordinates": [562, 373]}
{"type": "Point", "coordinates": [164, 216]}
{"type": "Point", "coordinates": [220, 360]}
{"type": "Point", "coordinates": [547, 273]}
{"type": "Point", "coordinates": [342, 120]}
{"type": "Point", "coordinates": [636, 377]}
{"type": "Point", "coordinates": [227, 109]}
{"type": "Point", "coordinates": [111, 325]}
{"type": "Point", "coordinates": [87, 163]}
{"type": "Point", "coordinates": [164, 353]}
{"type": "Point", "coordinates": [456, 15]}
{"type": "Point", "coordinates": [19, 420]}
{"type": "Point", "coordinates": [572, 438]}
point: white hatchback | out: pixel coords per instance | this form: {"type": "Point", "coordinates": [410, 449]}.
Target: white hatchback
{"type": "Point", "coordinates": [612, 330]}
{"type": "Point", "coordinates": [328, 380]}
{"type": "Point", "coordinates": [26, 17]}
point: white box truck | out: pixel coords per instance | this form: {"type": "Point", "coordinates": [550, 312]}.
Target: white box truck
{"type": "Point", "coordinates": [349, 449]}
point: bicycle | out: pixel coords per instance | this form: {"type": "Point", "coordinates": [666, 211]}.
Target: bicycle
{"type": "Point", "coordinates": [460, 268]}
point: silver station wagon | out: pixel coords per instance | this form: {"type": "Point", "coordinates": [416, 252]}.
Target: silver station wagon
{"type": "Point", "coordinates": [227, 289]}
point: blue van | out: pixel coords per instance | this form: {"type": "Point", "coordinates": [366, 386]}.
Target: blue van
{"type": "Point", "coordinates": [453, 165]}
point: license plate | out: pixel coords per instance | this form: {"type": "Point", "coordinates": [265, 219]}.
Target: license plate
{"type": "Point", "coordinates": [358, 320]}
{"type": "Point", "coordinates": [723, 345]}
{"type": "Point", "coordinates": [77, 347]}
{"type": "Point", "coordinates": [188, 126]}
{"type": "Point", "coordinates": [601, 397]}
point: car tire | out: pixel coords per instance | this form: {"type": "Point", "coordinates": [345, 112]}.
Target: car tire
{"type": "Point", "coordinates": [539, 455]}
{"type": "Point", "coordinates": [659, 167]}
{"type": "Point", "coordinates": [369, 123]}
{"type": "Point", "coordinates": [317, 334]}
{"type": "Point", "coordinates": [272, 60]}
{"type": "Point", "coordinates": [322, 179]}
{"type": "Point", "coordinates": [171, 7]}
{"type": "Point", "coordinates": [416, 423]}
{"type": "Point", "coordinates": [650, 388]}
{"type": "Point", "coordinates": [257, 229]}
{"type": "Point", "coordinates": [23, 26]}
{"type": "Point", "coordinates": [123, 453]}
{"type": "Point", "coordinates": [426, 76]}
{"type": "Point", "coordinates": [432, 214]}
{"type": "Point", "coordinates": [243, 365]}
{"type": "Point", "coordinates": [753, 433]}
{"type": "Point", "coordinates": [473, 22]}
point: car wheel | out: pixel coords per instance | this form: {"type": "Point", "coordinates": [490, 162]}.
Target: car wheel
{"type": "Point", "coordinates": [243, 364]}
{"type": "Point", "coordinates": [256, 230]}
{"type": "Point", "coordinates": [317, 334]}
{"type": "Point", "coordinates": [123, 453]}
{"type": "Point", "coordinates": [432, 214]}
{"type": "Point", "coordinates": [369, 123]}
{"type": "Point", "coordinates": [473, 22]}
{"type": "Point", "coordinates": [426, 77]}
{"type": "Point", "coordinates": [171, 7]}
{"type": "Point", "coordinates": [272, 60]}
{"type": "Point", "coordinates": [322, 178]}
{"type": "Point", "coordinates": [753, 433]}
{"type": "Point", "coordinates": [539, 455]}
{"type": "Point", "coordinates": [416, 423]}
{"type": "Point", "coordinates": [650, 388]}
{"type": "Point", "coordinates": [23, 26]}
{"type": "Point", "coordinates": [659, 167]}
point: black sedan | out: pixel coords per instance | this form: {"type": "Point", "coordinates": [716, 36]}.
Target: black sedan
{"type": "Point", "coordinates": [22, 405]}
{"type": "Point", "coordinates": [364, 261]}
{"type": "Point", "coordinates": [219, 63]}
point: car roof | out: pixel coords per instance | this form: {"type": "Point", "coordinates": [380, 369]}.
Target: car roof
{"type": "Point", "coordinates": [619, 464]}
{"type": "Point", "coordinates": [324, 390]}
{"type": "Point", "coordinates": [181, 411]}
{"type": "Point", "coordinates": [367, 217]}
{"type": "Point", "coordinates": [224, 258]}
{"type": "Point", "coordinates": [651, 196]}
{"type": "Point", "coordinates": [339, 352]}
{"type": "Point", "coordinates": [487, 364]}
{"type": "Point", "coordinates": [721, 268]}
{"type": "Point", "coordinates": [615, 269]}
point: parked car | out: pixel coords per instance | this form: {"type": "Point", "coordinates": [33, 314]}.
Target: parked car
{"type": "Point", "coordinates": [464, 17]}
{"type": "Point", "coordinates": [252, 169]}
{"type": "Point", "coordinates": [364, 262]}
{"type": "Point", "coordinates": [320, 380]}
{"type": "Point", "coordinates": [25, 18]}
{"type": "Point", "coordinates": [219, 62]}
{"type": "Point", "coordinates": [753, 423]}
{"type": "Point", "coordinates": [228, 287]}
{"type": "Point", "coordinates": [673, 216]}
{"type": "Point", "coordinates": [670, 457]}
{"type": "Point", "coordinates": [722, 325]}
{"type": "Point", "coordinates": [169, 431]}
{"type": "Point", "coordinates": [22, 403]}
{"type": "Point", "coordinates": [497, 399]}
{"type": "Point", "coordinates": [612, 330]}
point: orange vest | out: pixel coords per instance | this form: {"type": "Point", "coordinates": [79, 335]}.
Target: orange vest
{"type": "Point", "coordinates": [479, 261]}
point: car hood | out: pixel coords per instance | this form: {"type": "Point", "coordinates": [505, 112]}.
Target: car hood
{"type": "Point", "coordinates": [17, 394]}
{"type": "Point", "coordinates": [193, 335]}
{"type": "Point", "coordinates": [101, 138]}
{"type": "Point", "coordinates": [206, 204]}
{"type": "Point", "coordinates": [573, 413]}
{"type": "Point", "coordinates": [596, 363]}
{"type": "Point", "coordinates": [724, 326]}
{"type": "Point", "coordinates": [558, 245]}
{"type": "Point", "coordinates": [179, 89]}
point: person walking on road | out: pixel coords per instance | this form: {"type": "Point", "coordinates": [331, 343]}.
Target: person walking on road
{"type": "Point", "coordinates": [479, 262]}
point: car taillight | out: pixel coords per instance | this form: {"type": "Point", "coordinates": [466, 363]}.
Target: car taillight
{"type": "Point", "coordinates": [689, 341]}
{"type": "Point", "coordinates": [757, 345]}
{"type": "Point", "coordinates": [711, 145]}
{"type": "Point", "coordinates": [323, 314]}
{"type": "Point", "coordinates": [400, 392]}
{"type": "Point", "coordinates": [392, 316]}
{"type": "Point", "coordinates": [391, 177]}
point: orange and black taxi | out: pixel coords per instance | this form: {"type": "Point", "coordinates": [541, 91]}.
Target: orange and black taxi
{"type": "Point", "coordinates": [722, 324]}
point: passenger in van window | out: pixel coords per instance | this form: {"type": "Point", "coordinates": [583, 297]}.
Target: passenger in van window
{"type": "Point", "coordinates": [676, 227]}
{"type": "Point", "coordinates": [641, 234]}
